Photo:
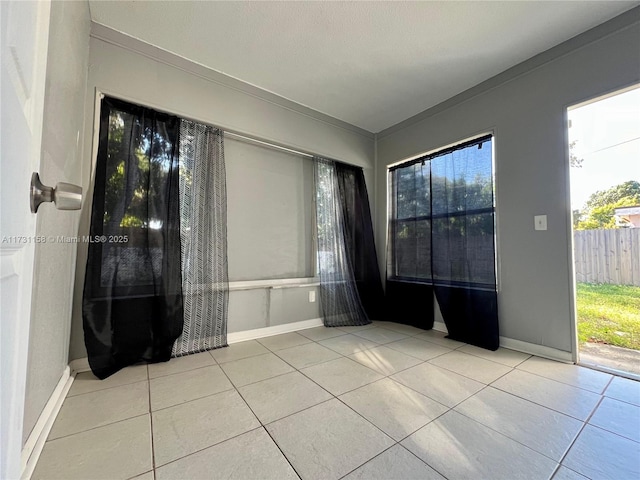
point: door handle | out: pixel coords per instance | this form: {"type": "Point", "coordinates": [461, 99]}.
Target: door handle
{"type": "Point", "coordinates": [66, 196]}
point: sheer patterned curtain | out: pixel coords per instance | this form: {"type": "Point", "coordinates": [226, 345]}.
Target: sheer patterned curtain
{"type": "Point", "coordinates": [203, 232]}
{"type": "Point", "coordinates": [339, 298]}
{"type": "Point", "coordinates": [156, 283]}
{"type": "Point", "coordinates": [132, 301]}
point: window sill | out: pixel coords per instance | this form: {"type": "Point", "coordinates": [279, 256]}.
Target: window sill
{"type": "Point", "coordinates": [277, 283]}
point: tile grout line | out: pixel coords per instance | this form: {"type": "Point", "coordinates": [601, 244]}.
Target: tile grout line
{"type": "Point", "coordinates": [413, 389]}
{"type": "Point", "coordinates": [430, 466]}
{"type": "Point", "coordinates": [371, 459]}
{"type": "Point", "coordinates": [306, 366]}
{"type": "Point", "coordinates": [106, 388]}
{"type": "Point", "coordinates": [607, 385]}
{"type": "Point", "coordinates": [281, 452]}
{"type": "Point", "coordinates": [312, 380]}
{"type": "Point", "coordinates": [97, 427]}
{"type": "Point", "coordinates": [575, 439]}
{"type": "Point", "coordinates": [585, 422]}
{"type": "Point", "coordinates": [451, 408]}
{"type": "Point", "coordinates": [612, 433]}
{"type": "Point", "coordinates": [236, 388]}
{"type": "Point", "coordinates": [295, 413]}
{"type": "Point", "coordinates": [334, 397]}
{"type": "Point", "coordinates": [509, 437]}
{"type": "Point", "coordinates": [221, 441]}
{"type": "Point", "coordinates": [193, 399]}
{"type": "Point", "coordinates": [602, 399]}
{"type": "Point", "coordinates": [549, 380]}
{"type": "Point", "coordinates": [263, 426]}
{"type": "Point", "coordinates": [396, 442]}
{"type": "Point", "coordinates": [200, 450]}
{"type": "Point", "coordinates": [468, 377]}
{"type": "Point", "coordinates": [418, 358]}
{"type": "Point", "coordinates": [351, 390]}
{"type": "Point", "coordinates": [184, 371]}
{"type": "Point", "coordinates": [488, 359]}
{"type": "Point", "coordinates": [335, 359]}
{"type": "Point", "coordinates": [565, 383]}
{"type": "Point", "coordinates": [257, 381]}
{"type": "Point", "coordinates": [153, 452]}
{"type": "Point", "coordinates": [536, 403]}
{"type": "Point", "coordinates": [330, 393]}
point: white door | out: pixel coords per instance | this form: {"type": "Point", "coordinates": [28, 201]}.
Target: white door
{"type": "Point", "coordinates": [23, 52]}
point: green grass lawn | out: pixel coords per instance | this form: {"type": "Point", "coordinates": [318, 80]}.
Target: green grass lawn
{"type": "Point", "coordinates": [609, 314]}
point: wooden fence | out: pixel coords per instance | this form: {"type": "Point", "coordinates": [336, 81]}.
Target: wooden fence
{"type": "Point", "coordinates": [608, 256]}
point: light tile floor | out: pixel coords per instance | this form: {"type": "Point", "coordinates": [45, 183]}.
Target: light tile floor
{"type": "Point", "coordinates": [385, 401]}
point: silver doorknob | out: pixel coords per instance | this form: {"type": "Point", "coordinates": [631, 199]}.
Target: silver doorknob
{"type": "Point", "coordinates": [66, 196]}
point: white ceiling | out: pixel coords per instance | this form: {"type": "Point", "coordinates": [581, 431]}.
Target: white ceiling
{"type": "Point", "coordinates": [371, 64]}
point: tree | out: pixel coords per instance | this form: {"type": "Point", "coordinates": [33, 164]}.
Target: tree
{"type": "Point", "coordinates": [139, 155]}
{"type": "Point", "coordinates": [601, 205]}
{"type": "Point", "coordinates": [574, 161]}
{"type": "Point", "coordinates": [629, 189]}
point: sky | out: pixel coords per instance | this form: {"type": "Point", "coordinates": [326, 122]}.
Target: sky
{"type": "Point", "coordinates": [608, 139]}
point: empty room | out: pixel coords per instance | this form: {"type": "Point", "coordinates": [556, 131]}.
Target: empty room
{"type": "Point", "coordinates": [306, 240]}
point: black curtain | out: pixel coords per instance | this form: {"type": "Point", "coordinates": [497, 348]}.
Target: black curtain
{"type": "Point", "coordinates": [442, 234]}
{"type": "Point", "coordinates": [410, 303]}
{"type": "Point", "coordinates": [409, 293]}
{"type": "Point", "coordinates": [359, 238]}
{"type": "Point", "coordinates": [350, 285]}
{"type": "Point", "coordinates": [132, 302]}
{"type": "Point", "coordinates": [462, 242]}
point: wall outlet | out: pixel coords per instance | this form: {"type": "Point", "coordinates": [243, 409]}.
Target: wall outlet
{"type": "Point", "coordinates": [540, 222]}
{"type": "Point", "coordinates": [312, 296]}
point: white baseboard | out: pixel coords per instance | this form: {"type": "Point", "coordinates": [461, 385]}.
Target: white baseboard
{"type": "Point", "coordinates": [524, 347]}
{"type": "Point", "coordinates": [274, 330]}
{"type": "Point", "coordinates": [82, 364]}
{"type": "Point", "coordinates": [35, 443]}
{"type": "Point", "coordinates": [537, 350]}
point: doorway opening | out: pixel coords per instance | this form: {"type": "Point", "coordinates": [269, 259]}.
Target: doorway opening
{"type": "Point", "coordinates": [604, 156]}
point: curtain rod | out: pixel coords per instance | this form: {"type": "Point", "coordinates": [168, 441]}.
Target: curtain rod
{"type": "Point", "coordinates": [281, 147]}
{"type": "Point", "coordinates": [268, 144]}
{"type": "Point", "coordinates": [445, 151]}
{"type": "Point", "coordinates": [103, 95]}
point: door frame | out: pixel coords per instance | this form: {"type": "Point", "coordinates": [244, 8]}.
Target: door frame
{"type": "Point", "coordinates": [575, 345]}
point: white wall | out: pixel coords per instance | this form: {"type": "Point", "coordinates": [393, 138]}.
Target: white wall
{"type": "Point", "coordinates": [128, 69]}
{"type": "Point", "coordinates": [526, 111]}
{"type": "Point", "coordinates": [54, 274]}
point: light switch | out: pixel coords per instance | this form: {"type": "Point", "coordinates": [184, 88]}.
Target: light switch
{"type": "Point", "coordinates": [540, 222]}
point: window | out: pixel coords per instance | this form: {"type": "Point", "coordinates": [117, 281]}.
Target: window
{"type": "Point", "coordinates": [137, 156]}
{"type": "Point", "coordinates": [441, 225]}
